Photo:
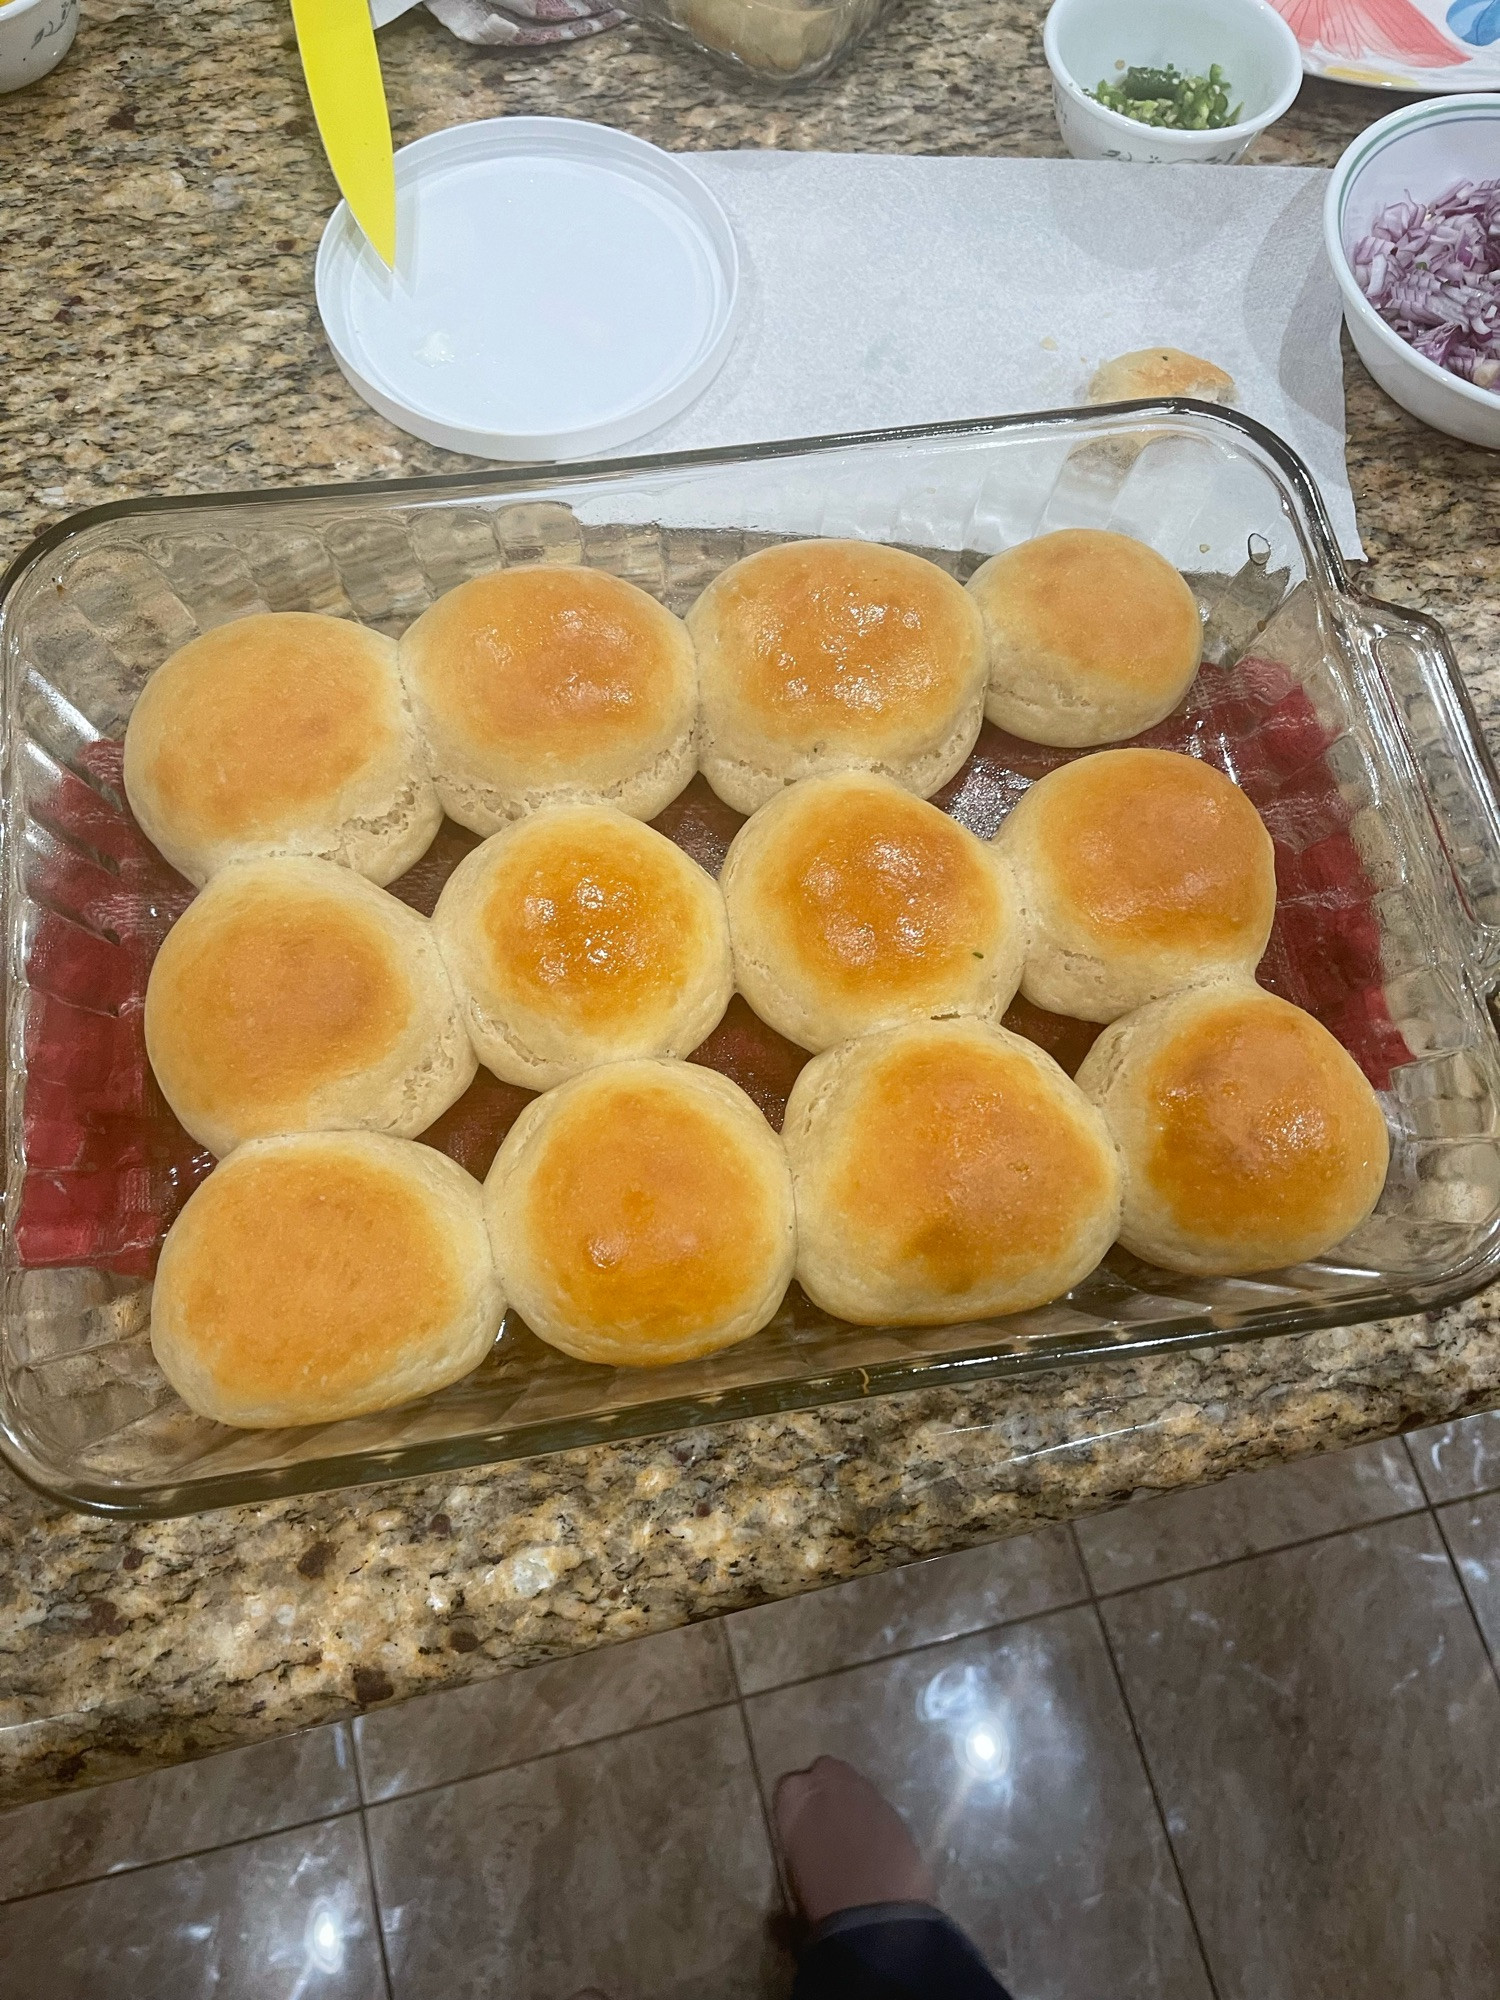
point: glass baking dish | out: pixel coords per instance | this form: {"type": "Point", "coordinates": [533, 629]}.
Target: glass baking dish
{"type": "Point", "coordinates": [774, 41]}
{"type": "Point", "coordinates": [1344, 718]}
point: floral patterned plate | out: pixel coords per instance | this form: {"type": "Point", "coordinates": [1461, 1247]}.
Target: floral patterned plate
{"type": "Point", "coordinates": [1422, 45]}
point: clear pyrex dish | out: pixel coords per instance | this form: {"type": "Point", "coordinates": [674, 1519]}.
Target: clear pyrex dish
{"type": "Point", "coordinates": [1344, 718]}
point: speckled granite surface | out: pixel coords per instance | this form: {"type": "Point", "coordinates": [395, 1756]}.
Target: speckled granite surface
{"type": "Point", "coordinates": [161, 197]}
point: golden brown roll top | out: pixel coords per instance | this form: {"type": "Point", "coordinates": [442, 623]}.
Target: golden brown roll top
{"type": "Point", "coordinates": [1160, 371]}
{"type": "Point", "coordinates": [1092, 637]}
{"type": "Point", "coordinates": [546, 684]}
{"type": "Point", "coordinates": [580, 936]}
{"type": "Point", "coordinates": [642, 1214]}
{"type": "Point", "coordinates": [281, 733]}
{"type": "Point", "coordinates": [1141, 871]}
{"type": "Point", "coordinates": [321, 1276]}
{"type": "Point", "coordinates": [823, 656]}
{"type": "Point", "coordinates": [1251, 1138]}
{"type": "Point", "coordinates": [853, 906]}
{"type": "Point", "coordinates": [292, 995]}
{"type": "Point", "coordinates": [944, 1172]}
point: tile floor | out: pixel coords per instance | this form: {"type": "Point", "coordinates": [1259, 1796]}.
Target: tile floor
{"type": "Point", "coordinates": [1242, 1742]}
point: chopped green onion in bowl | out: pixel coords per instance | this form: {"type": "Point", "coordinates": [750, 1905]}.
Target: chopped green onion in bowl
{"type": "Point", "coordinates": [1167, 98]}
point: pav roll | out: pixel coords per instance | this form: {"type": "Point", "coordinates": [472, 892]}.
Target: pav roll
{"type": "Point", "coordinates": [282, 733]}
{"type": "Point", "coordinates": [1091, 636]}
{"type": "Point", "coordinates": [551, 684]}
{"type": "Point", "coordinates": [324, 1275]}
{"type": "Point", "coordinates": [854, 906]}
{"type": "Point", "coordinates": [1141, 871]}
{"type": "Point", "coordinates": [823, 656]}
{"type": "Point", "coordinates": [1251, 1138]}
{"type": "Point", "coordinates": [642, 1214]}
{"type": "Point", "coordinates": [944, 1172]}
{"type": "Point", "coordinates": [579, 936]}
{"type": "Point", "coordinates": [1160, 371]}
{"type": "Point", "coordinates": [292, 995]}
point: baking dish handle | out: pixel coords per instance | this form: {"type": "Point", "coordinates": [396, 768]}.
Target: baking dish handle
{"type": "Point", "coordinates": [1433, 711]}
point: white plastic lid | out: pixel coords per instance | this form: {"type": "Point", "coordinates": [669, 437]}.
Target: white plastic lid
{"type": "Point", "coordinates": [560, 288]}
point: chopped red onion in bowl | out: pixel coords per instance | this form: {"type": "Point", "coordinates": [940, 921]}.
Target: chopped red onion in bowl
{"type": "Point", "coordinates": [1432, 272]}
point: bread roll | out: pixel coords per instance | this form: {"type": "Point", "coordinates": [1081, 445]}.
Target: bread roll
{"type": "Point", "coordinates": [549, 684]}
{"type": "Point", "coordinates": [1251, 1139]}
{"type": "Point", "coordinates": [818, 656]}
{"type": "Point", "coordinates": [853, 906]}
{"type": "Point", "coordinates": [579, 936]}
{"type": "Point", "coordinates": [322, 1275]}
{"type": "Point", "coordinates": [282, 733]}
{"type": "Point", "coordinates": [945, 1172]}
{"type": "Point", "coordinates": [293, 996]}
{"type": "Point", "coordinates": [1092, 637]}
{"type": "Point", "coordinates": [1141, 871]}
{"type": "Point", "coordinates": [1160, 371]}
{"type": "Point", "coordinates": [642, 1214]}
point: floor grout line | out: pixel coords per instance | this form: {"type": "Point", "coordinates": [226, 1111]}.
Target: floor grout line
{"type": "Point", "coordinates": [1458, 1571]}
{"type": "Point", "coordinates": [376, 1910]}
{"type": "Point", "coordinates": [783, 1885]}
{"type": "Point", "coordinates": [1150, 1777]}
{"type": "Point", "coordinates": [1247, 1555]}
{"type": "Point", "coordinates": [546, 1756]}
{"type": "Point", "coordinates": [1433, 1510]}
{"type": "Point", "coordinates": [187, 1854]}
{"type": "Point", "coordinates": [1070, 1603]}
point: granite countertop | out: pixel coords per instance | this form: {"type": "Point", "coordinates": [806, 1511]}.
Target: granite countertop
{"type": "Point", "coordinates": [161, 197]}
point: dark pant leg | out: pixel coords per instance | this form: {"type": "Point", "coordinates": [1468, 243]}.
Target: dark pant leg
{"type": "Point", "coordinates": [892, 1951]}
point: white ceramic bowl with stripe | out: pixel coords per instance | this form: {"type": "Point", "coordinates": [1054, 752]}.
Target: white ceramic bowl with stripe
{"type": "Point", "coordinates": [1418, 152]}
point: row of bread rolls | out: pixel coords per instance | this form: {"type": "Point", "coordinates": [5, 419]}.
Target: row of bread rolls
{"type": "Point", "coordinates": [645, 1213]}
{"type": "Point", "coordinates": [294, 995]}
{"type": "Point", "coordinates": [294, 733]}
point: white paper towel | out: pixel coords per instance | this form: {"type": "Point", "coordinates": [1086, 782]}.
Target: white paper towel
{"type": "Point", "coordinates": [884, 289]}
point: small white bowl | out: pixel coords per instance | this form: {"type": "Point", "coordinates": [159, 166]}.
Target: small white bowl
{"type": "Point", "coordinates": [1419, 151]}
{"type": "Point", "coordinates": [1086, 40]}
{"type": "Point", "coordinates": [35, 35]}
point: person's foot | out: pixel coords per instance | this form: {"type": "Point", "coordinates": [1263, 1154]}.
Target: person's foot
{"type": "Point", "coordinates": [846, 1845]}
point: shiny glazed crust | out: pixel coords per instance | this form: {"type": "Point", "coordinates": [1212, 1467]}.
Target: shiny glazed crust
{"type": "Point", "coordinates": [1251, 1139]}
{"type": "Point", "coordinates": [579, 936]}
{"type": "Point", "coordinates": [642, 1214]}
{"type": "Point", "coordinates": [551, 684]}
{"type": "Point", "coordinates": [854, 906]}
{"type": "Point", "coordinates": [824, 656]}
